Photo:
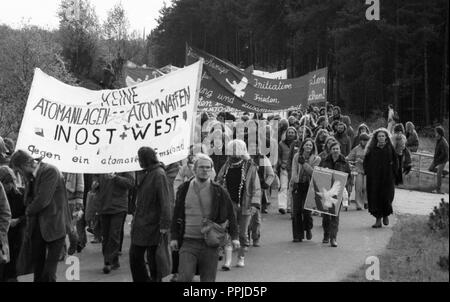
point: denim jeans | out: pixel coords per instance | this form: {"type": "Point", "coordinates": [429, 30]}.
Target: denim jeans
{"type": "Point", "coordinates": [138, 268]}
{"type": "Point", "coordinates": [330, 226]}
{"type": "Point", "coordinates": [360, 190]}
{"type": "Point", "coordinates": [195, 253]}
{"type": "Point", "coordinates": [254, 229]}
{"type": "Point", "coordinates": [283, 195]}
{"type": "Point", "coordinates": [111, 233]}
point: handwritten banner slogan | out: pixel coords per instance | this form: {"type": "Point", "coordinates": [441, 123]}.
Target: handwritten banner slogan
{"type": "Point", "coordinates": [224, 83]}
{"type": "Point", "coordinates": [84, 131]}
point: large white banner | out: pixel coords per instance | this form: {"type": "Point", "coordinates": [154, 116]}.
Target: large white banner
{"type": "Point", "coordinates": [84, 131]}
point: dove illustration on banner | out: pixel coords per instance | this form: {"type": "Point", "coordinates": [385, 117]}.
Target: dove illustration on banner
{"type": "Point", "coordinates": [330, 197]}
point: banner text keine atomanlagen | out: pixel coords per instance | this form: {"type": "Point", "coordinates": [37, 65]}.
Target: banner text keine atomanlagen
{"type": "Point", "coordinates": [100, 131]}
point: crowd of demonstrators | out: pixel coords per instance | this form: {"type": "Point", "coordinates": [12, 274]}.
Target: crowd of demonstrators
{"type": "Point", "coordinates": [229, 179]}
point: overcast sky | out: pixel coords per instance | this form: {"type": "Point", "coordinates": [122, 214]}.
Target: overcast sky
{"type": "Point", "coordinates": [141, 13]}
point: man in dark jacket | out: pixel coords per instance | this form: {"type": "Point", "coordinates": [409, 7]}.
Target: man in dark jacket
{"type": "Point", "coordinates": [335, 161]}
{"type": "Point", "coordinates": [113, 200]}
{"type": "Point", "coordinates": [343, 139]}
{"type": "Point", "coordinates": [49, 207]}
{"type": "Point", "coordinates": [440, 157]}
{"type": "Point", "coordinates": [151, 218]}
{"type": "Point", "coordinates": [197, 199]}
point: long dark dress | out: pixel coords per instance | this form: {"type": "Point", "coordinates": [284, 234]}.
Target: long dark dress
{"type": "Point", "coordinates": [380, 165]}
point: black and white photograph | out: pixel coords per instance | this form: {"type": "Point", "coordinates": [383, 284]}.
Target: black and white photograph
{"type": "Point", "coordinates": [232, 141]}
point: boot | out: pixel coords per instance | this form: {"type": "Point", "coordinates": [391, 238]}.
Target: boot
{"type": "Point", "coordinates": [377, 224]}
{"type": "Point", "coordinates": [386, 220]}
{"type": "Point", "coordinates": [333, 243]}
{"type": "Point", "coordinates": [228, 257]}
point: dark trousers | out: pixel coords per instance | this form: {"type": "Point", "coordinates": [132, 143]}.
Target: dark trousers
{"type": "Point", "coordinates": [111, 234]}
{"type": "Point", "coordinates": [122, 233]}
{"type": "Point", "coordinates": [194, 253]}
{"type": "Point", "coordinates": [15, 238]}
{"type": "Point", "coordinates": [264, 201]}
{"type": "Point", "coordinates": [301, 219]}
{"type": "Point", "coordinates": [138, 266]}
{"type": "Point", "coordinates": [330, 226]}
{"type": "Point", "coordinates": [45, 256]}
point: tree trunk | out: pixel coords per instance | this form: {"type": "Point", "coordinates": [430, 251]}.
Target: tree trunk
{"type": "Point", "coordinates": [427, 96]}
{"type": "Point", "coordinates": [413, 96]}
{"type": "Point", "coordinates": [396, 81]}
{"type": "Point", "coordinates": [444, 84]}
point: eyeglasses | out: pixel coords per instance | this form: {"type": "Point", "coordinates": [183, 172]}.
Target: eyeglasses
{"type": "Point", "coordinates": [204, 167]}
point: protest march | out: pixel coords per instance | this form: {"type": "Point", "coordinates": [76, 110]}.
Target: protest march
{"type": "Point", "coordinates": [183, 158]}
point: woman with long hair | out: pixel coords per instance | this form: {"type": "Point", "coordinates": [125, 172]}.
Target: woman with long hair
{"type": "Point", "coordinates": [403, 154]}
{"type": "Point", "coordinates": [303, 165]}
{"type": "Point", "coordinates": [412, 139]}
{"type": "Point", "coordinates": [380, 165]}
{"type": "Point", "coordinates": [15, 198]}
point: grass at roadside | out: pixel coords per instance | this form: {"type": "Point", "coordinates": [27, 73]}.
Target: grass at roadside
{"type": "Point", "coordinates": [412, 254]}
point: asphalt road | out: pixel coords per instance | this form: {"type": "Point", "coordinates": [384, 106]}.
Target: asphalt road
{"type": "Point", "coordinates": [278, 258]}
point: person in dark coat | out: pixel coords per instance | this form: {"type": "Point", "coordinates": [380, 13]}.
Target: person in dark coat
{"type": "Point", "coordinates": [343, 139]}
{"type": "Point", "coordinates": [15, 234]}
{"type": "Point", "coordinates": [48, 209]}
{"type": "Point", "coordinates": [380, 165]}
{"type": "Point", "coordinates": [151, 218]}
{"type": "Point", "coordinates": [112, 196]}
{"type": "Point", "coordinates": [440, 158]}
{"type": "Point", "coordinates": [412, 138]}
{"type": "Point", "coordinates": [334, 161]}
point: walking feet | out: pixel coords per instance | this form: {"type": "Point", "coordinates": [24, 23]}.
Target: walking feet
{"type": "Point", "coordinates": [107, 269]}
{"type": "Point", "coordinates": [240, 262]}
{"type": "Point", "coordinates": [333, 243]}
{"type": "Point", "coordinates": [386, 220]}
{"type": "Point", "coordinates": [377, 224]}
{"type": "Point", "coordinates": [282, 211]}
{"type": "Point", "coordinates": [326, 240]}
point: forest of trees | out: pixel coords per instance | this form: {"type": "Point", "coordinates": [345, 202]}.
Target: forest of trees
{"type": "Point", "coordinates": [401, 59]}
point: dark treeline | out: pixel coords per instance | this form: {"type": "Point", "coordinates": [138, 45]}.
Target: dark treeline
{"type": "Point", "coordinates": [400, 59]}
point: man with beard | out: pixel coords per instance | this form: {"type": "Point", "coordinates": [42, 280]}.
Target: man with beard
{"type": "Point", "coordinates": [343, 139]}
